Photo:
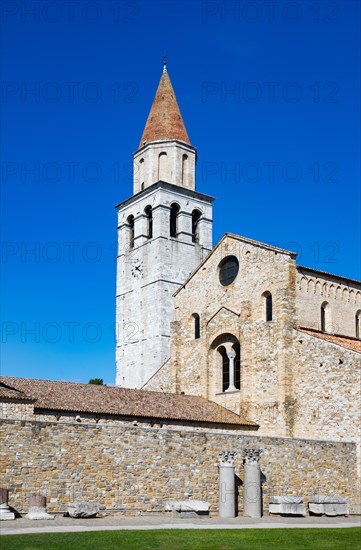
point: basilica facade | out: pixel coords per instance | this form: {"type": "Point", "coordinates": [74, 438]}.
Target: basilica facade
{"type": "Point", "coordinates": [240, 324]}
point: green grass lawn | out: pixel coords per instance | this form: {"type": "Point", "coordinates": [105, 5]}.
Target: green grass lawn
{"type": "Point", "coordinates": [190, 539]}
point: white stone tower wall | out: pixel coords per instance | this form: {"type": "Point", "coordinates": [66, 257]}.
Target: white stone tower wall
{"type": "Point", "coordinates": [145, 304]}
{"type": "Point", "coordinates": [146, 165]}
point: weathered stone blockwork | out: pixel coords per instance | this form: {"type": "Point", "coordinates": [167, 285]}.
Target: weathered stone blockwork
{"type": "Point", "coordinates": [145, 303]}
{"type": "Point", "coordinates": [266, 351]}
{"type": "Point", "coordinates": [342, 296]}
{"type": "Point", "coordinates": [292, 383]}
{"type": "Point", "coordinates": [139, 469]}
{"type": "Point", "coordinates": [327, 390]}
{"type": "Point", "coordinates": [17, 410]}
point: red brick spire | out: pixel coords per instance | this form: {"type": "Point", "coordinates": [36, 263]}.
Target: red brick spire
{"type": "Point", "coordinates": [165, 119]}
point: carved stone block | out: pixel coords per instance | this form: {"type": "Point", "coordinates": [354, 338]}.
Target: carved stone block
{"type": "Point", "coordinates": [328, 505]}
{"type": "Point", "coordinates": [287, 505]}
{"type": "Point", "coordinates": [83, 509]}
{"type": "Point", "coordinates": [187, 508]}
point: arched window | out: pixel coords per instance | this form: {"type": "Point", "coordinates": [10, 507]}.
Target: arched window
{"type": "Point", "coordinates": [130, 221]}
{"type": "Point", "coordinates": [268, 306]}
{"type": "Point", "coordinates": [184, 169]}
{"type": "Point", "coordinates": [197, 326]}
{"type": "Point", "coordinates": [141, 174]}
{"type": "Point", "coordinates": [162, 163]}
{"type": "Point", "coordinates": [229, 354]}
{"type": "Point", "coordinates": [174, 211]}
{"type": "Point", "coordinates": [231, 368]}
{"type": "Point", "coordinates": [149, 214]}
{"type": "Point", "coordinates": [358, 323]}
{"type": "Point", "coordinates": [196, 214]}
{"type": "Point", "coordinates": [324, 316]}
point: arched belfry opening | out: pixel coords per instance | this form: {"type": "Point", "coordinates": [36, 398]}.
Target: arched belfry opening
{"type": "Point", "coordinates": [130, 222]}
{"type": "Point", "coordinates": [149, 215]}
{"type": "Point", "coordinates": [196, 216]}
{"type": "Point", "coordinates": [173, 220]}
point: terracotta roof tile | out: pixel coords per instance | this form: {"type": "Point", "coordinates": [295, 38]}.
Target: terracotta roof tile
{"type": "Point", "coordinates": [88, 398]}
{"type": "Point", "coordinates": [165, 119]}
{"type": "Point", "coordinates": [345, 341]}
{"type": "Point", "coordinates": [7, 392]}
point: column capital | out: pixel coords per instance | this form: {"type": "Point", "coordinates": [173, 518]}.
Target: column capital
{"type": "Point", "coordinates": [226, 458]}
{"type": "Point", "coordinates": [252, 455]}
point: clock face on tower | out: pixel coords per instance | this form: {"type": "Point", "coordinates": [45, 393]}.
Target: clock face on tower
{"type": "Point", "coordinates": [137, 269]}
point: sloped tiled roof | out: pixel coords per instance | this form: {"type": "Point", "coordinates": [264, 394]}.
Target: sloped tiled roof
{"type": "Point", "coordinates": [89, 398]}
{"type": "Point", "coordinates": [165, 120]}
{"type": "Point", "coordinates": [345, 341]}
{"type": "Point", "coordinates": [7, 392]}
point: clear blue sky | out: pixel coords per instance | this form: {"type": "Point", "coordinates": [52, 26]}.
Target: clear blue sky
{"type": "Point", "coordinates": [290, 130]}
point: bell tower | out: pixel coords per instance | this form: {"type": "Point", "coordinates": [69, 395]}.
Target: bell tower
{"type": "Point", "coordinates": [164, 232]}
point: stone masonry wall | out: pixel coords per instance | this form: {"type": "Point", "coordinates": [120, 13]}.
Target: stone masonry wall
{"type": "Point", "coordinates": [292, 384]}
{"type": "Point", "coordinates": [327, 389]}
{"type": "Point", "coordinates": [162, 380]}
{"type": "Point", "coordinates": [138, 469]}
{"type": "Point", "coordinates": [342, 296]}
{"type": "Point", "coordinates": [17, 409]}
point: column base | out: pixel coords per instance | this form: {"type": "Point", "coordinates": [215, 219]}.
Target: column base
{"type": "Point", "coordinates": [38, 513]}
{"type": "Point", "coordinates": [6, 515]}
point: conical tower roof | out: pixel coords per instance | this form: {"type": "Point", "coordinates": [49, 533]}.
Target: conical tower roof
{"type": "Point", "coordinates": [165, 120]}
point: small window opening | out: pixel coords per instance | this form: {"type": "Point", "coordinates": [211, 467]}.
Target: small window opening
{"type": "Point", "coordinates": [357, 324]}
{"type": "Point", "coordinates": [268, 306]}
{"type": "Point", "coordinates": [197, 326]}
{"type": "Point", "coordinates": [184, 169]}
{"type": "Point", "coordinates": [324, 316]}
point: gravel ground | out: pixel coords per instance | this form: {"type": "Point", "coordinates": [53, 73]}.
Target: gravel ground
{"type": "Point", "coordinates": [115, 521]}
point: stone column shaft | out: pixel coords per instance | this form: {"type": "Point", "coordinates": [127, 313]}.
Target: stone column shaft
{"type": "Point", "coordinates": [252, 496]}
{"type": "Point", "coordinates": [227, 485]}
